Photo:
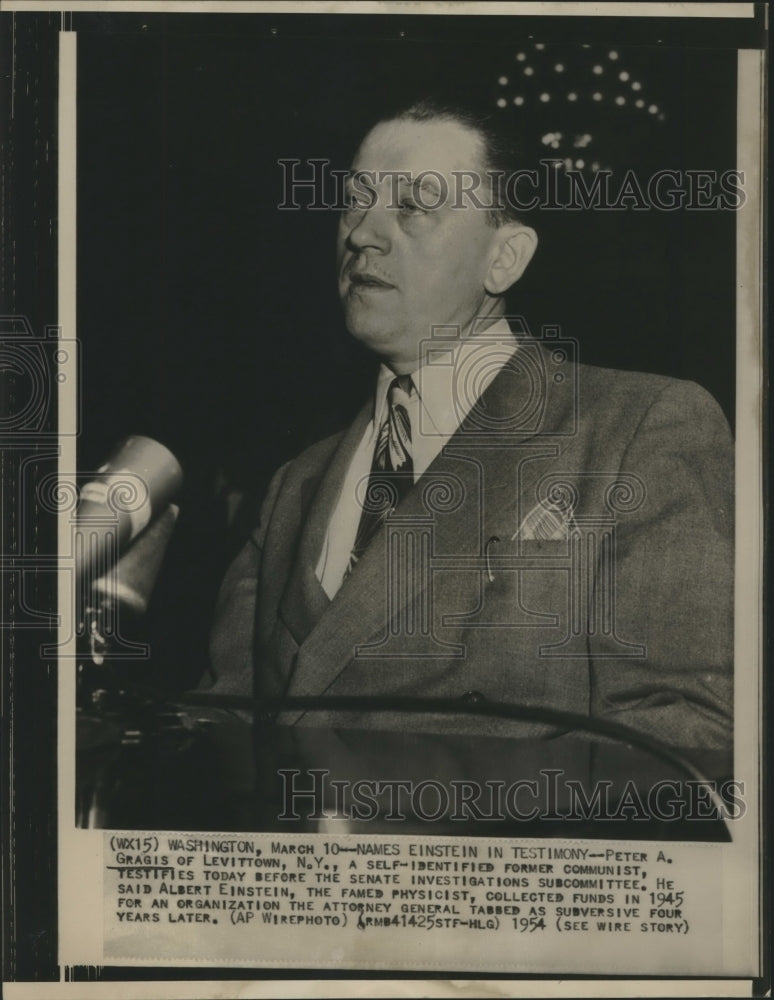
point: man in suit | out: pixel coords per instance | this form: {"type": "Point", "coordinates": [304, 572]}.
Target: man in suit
{"type": "Point", "coordinates": [500, 521]}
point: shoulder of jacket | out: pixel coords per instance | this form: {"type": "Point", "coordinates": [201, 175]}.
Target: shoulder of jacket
{"type": "Point", "coordinates": [309, 462]}
{"type": "Point", "coordinates": [641, 391]}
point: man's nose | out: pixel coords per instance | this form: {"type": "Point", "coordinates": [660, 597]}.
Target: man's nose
{"type": "Point", "coordinates": [370, 230]}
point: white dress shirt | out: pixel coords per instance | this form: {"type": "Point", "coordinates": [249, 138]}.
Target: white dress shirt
{"type": "Point", "coordinates": [447, 386]}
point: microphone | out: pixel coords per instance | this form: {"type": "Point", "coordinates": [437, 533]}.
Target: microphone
{"type": "Point", "coordinates": [130, 582]}
{"type": "Point", "coordinates": [131, 489]}
{"type": "Point", "coordinates": [124, 522]}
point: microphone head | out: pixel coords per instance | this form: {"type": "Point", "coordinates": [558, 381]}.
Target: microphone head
{"type": "Point", "coordinates": [138, 482]}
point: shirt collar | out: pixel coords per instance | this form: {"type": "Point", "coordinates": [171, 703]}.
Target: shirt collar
{"type": "Point", "coordinates": [437, 382]}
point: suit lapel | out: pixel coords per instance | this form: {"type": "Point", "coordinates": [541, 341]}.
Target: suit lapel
{"type": "Point", "coordinates": [357, 614]}
{"type": "Point", "coordinates": [304, 600]}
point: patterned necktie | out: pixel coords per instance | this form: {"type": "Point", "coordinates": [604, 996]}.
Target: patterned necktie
{"type": "Point", "coordinates": [392, 471]}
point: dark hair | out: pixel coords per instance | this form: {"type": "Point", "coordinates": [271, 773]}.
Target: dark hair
{"type": "Point", "coordinates": [502, 151]}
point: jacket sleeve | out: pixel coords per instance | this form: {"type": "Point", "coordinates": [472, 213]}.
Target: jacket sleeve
{"type": "Point", "coordinates": [673, 579]}
{"type": "Point", "coordinates": [231, 638]}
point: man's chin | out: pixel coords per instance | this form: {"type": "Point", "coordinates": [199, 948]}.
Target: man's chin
{"type": "Point", "coordinates": [377, 337]}
{"type": "Point", "coordinates": [372, 336]}
{"type": "Point", "coordinates": [365, 321]}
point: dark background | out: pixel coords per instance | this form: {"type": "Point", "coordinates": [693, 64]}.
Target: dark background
{"type": "Point", "coordinates": [209, 318]}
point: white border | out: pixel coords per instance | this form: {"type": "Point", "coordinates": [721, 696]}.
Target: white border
{"type": "Point", "coordinates": [749, 551]}
{"type": "Point", "coordinates": [491, 8]}
{"type": "Point", "coordinates": [79, 886]}
{"type": "Point", "coordinates": [481, 7]}
{"type": "Point", "coordinates": [459, 989]}
{"type": "Point", "coordinates": [66, 311]}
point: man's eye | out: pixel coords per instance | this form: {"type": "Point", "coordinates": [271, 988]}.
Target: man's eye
{"type": "Point", "coordinates": [410, 208]}
{"type": "Point", "coordinates": [357, 202]}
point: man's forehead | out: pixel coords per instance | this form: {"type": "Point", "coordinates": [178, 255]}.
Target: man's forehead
{"type": "Point", "coordinates": [414, 146]}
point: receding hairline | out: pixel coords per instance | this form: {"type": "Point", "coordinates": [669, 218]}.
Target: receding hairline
{"type": "Point", "coordinates": [479, 149]}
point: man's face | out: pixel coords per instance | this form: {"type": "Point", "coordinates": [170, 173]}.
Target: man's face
{"type": "Point", "coordinates": [404, 268]}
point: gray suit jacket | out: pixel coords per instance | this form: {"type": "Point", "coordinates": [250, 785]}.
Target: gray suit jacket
{"type": "Point", "coordinates": [573, 552]}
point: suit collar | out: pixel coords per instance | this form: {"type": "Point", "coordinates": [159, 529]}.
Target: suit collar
{"type": "Point", "coordinates": [440, 380]}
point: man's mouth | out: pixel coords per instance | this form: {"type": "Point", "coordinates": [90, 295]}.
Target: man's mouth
{"type": "Point", "coordinates": [362, 279]}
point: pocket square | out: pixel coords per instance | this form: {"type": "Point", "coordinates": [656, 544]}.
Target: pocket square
{"type": "Point", "coordinates": [545, 523]}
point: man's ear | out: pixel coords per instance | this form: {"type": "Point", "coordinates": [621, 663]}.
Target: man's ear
{"type": "Point", "coordinates": [513, 250]}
